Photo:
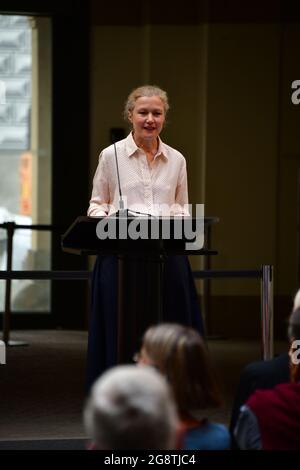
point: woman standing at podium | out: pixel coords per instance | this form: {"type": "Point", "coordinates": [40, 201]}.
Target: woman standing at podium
{"type": "Point", "coordinates": [151, 174]}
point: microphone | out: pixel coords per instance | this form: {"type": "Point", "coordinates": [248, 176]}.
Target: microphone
{"type": "Point", "coordinates": [131, 211]}
{"type": "Point", "coordinates": [122, 212]}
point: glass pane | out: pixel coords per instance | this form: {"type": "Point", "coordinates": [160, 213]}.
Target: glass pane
{"type": "Point", "coordinates": [25, 153]}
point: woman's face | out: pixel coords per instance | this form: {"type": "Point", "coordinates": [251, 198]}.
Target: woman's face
{"type": "Point", "coordinates": [147, 118]}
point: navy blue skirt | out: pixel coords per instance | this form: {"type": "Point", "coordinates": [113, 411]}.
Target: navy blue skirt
{"type": "Point", "coordinates": [180, 305]}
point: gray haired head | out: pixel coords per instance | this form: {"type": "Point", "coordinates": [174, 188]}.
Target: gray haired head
{"type": "Point", "coordinates": [131, 407]}
{"type": "Point", "coordinates": [294, 325]}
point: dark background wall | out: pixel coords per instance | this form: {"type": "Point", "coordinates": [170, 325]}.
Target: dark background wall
{"type": "Point", "coordinates": [228, 72]}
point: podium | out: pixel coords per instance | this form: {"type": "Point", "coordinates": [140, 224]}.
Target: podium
{"type": "Point", "coordinates": [141, 245]}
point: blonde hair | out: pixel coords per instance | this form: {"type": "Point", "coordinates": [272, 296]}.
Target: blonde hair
{"type": "Point", "coordinates": [145, 90]}
{"type": "Point", "coordinates": [180, 354]}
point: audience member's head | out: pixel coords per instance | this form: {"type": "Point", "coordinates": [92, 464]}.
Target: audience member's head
{"type": "Point", "coordinates": [294, 325]}
{"type": "Point", "coordinates": [131, 408]}
{"type": "Point", "coordinates": [180, 354]}
{"type": "Point", "coordinates": [294, 338]}
{"type": "Point", "coordinates": [296, 300]}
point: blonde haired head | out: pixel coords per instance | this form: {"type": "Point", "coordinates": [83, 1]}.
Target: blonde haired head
{"type": "Point", "coordinates": [145, 90]}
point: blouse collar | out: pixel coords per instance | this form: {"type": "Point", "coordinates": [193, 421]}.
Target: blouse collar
{"type": "Point", "coordinates": [131, 147]}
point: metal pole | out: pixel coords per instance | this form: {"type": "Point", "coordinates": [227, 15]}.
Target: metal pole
{"type": "Point", "coordinates": [10, 228]}
{"type": "Point", "coordinates": [206, 287]}
{"type": "Point", "coordinates": [267, 312]}
{"type": "Point", "coordinates": [120, 326]}
{"type": "Point", "coordinates": [160, 282]}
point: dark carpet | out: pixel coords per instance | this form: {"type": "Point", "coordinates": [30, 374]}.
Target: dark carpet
{"type": "Point", "coordinates": [44, 444]}
{"type": "Point", "coordinates": [42, 386]}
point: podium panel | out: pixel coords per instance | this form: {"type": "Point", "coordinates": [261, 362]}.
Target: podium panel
{"type": "Point", "coordinates": [140, 266]}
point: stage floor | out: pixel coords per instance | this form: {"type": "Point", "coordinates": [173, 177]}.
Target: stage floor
{"type": "Point", "coordinates": [42, 384]}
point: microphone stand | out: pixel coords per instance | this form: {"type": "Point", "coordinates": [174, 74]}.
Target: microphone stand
{"type": "Point", "coordinates": [122, 212]}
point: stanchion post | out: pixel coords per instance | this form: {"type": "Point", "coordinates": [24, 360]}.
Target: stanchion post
{"type": "Point", "coordinates": [120, 328]}
{"type": "Point", "coordinates": [267, 312]}
{"type": "Point", "coordinates": [10, 228]}
{"type": "Point", "coordinates": [206, 285]}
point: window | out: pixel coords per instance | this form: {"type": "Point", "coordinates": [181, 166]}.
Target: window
{"type": "Point", "coordinates": [25, 153]}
